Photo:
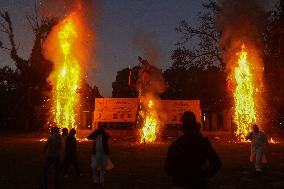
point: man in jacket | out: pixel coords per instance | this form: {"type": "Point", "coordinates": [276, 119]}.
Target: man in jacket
{"type": "Point", "coordinates": [191, 160]}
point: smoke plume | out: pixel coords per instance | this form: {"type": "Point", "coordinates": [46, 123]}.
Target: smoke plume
{"type": "Point", "coordinates": [241, 22]}
{"type": "Point", "coordinates": [150, 82]}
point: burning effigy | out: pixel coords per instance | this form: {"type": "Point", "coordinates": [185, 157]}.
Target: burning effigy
{"type": "Point", "coordinates": [148, 85]}
{"type": "Point", "coordinates": [66, 47]}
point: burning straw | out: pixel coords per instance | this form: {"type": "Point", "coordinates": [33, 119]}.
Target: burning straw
{"type": "Point", "coordinates": [68, 49]}
{"type": "Point", "coordinates": [240, 23]}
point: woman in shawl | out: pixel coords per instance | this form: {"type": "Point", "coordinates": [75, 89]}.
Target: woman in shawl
{"type": "Point", "coordinates": [100, 157]}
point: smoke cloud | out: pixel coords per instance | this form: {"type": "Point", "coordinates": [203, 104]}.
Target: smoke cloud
{"type": "Point", "coordinates": [89, 12]}
{"type": "Point", "coordinates": [156, 84]}
{"type": "Point", "coordinates": [145, 43]}
{"type": "Point", "coordinates": [241, 22]}
{"type": "Point", "coordinates": [150, 82]}
{"type": "Point", "coordinates": [59, 8]}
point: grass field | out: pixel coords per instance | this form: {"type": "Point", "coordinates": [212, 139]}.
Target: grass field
{"type": "Point", "coordinates": [136, 166]}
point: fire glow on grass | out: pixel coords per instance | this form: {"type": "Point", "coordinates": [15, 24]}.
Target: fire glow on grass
{"type": "Point", "coordinates": [245, 112]}
{"type": "Point", "coordinates": [150, 125]}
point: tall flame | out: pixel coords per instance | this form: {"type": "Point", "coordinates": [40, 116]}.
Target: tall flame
{"type": "Point", "coordinates": [150, 126]}
{"type": "Point", "coordinates": [64, 47]}
{"type": "Point", "coordinates": [68, 78]}
{"type": "Point", "coordinates": [245, 113]}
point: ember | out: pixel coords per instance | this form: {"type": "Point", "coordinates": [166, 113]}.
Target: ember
{"type": "Point", "coordinates": [272, 141]}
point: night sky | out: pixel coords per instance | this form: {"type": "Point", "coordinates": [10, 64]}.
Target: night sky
{"type": "Point", "coordinates": [119, 22]}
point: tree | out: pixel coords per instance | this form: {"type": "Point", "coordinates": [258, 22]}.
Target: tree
{"type": "Point", "coordinates": [274, 61]}
{"type": "Point", "coordinates": [209, 86]}
{"type": "Point", "coordinates": [88, 96]}
{"type": "Point", "coordinates": [199, 46]}
{"type": "Point", "coordinates": [32, 88]}
{"type": "Point", "coordinates": [8, 78]}
{"type": "Point", "coordinates": [198, 69]}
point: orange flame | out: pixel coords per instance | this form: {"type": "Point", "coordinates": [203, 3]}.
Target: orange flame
{"type": "Point", "coordinates": [245, 113]}
{"type": "Point", "coordinates": [150, 125]}
{"type": "Point", "coordinates": [64, 46]}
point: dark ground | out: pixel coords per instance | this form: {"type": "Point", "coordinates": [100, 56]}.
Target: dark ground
{"type": "Point", "coordinates": [136, 166]}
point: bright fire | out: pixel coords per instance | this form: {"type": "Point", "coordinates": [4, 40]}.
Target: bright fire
{"type": "Point", "coordinates": [245, 112]}
{"type": "Point", "coordinates": [150, 125]}
{"type": "Point", "coordinates": [68, 78]}
{"type": "Point", "coordinates": [64, 48]}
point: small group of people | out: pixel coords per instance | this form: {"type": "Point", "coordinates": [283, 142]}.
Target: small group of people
{"type": "Point", "coordinates": [61, 153]}
{"type": "Point", "coordinates": [191, 160]}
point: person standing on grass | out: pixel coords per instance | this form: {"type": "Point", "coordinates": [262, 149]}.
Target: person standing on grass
{"type": "Point", "coordinates": [100, 158]}
{"type": "Point", "coordinates": [53, 151]}
{"type": "Point", "coordinates": [70, 154]}
{"type": "Point", "coordinates": [64, 134]}
{"type": "Point", "coordinates": [259, 144]}
{"type": "Point", "coordinates": [198, 128]}
{"type": "Point", "coordinates": [191, 160]}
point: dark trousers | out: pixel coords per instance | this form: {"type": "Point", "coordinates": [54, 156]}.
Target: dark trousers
{"type": "Point", "coordinates": [70, 160]}
{"type": "Point", "coordinates": [49, 162]}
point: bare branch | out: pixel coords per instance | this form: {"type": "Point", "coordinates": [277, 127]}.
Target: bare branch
{"type": "Point", "coordinates": [20, 62]}
{"type": "Point", "coordinates": [205, 50]}
{"type": "Point", "coordinates": [34, 20]}
{"type": "Point", "coordinates": [189, 32]}
{"type": "Point", "coordinates": [31, 23]}
{"type": "Point", "coordinates": [4, 28]}
{"type": "Point", "coordinates": [5, 48]}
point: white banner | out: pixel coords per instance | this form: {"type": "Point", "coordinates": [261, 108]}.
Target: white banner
{"type": "Point", "coordinates": [115, 109]}
{"type": "Point", "coordinates": [125, 109]}
{"type": "Point", "coordinates": [175, 108]}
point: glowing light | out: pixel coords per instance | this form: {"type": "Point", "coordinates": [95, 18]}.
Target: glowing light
{"type": "Point", "coordinates": [80, 140]}
{"type": "Point", "coordinates": [150, 127]}
{"type": "Point", "coordinates": [68, 81]}
{"type": "Point", "coordinates": [245, 113]}
{"type": "Point", "coordinates": [83, 140]}
{"type": "Point", "coordinates": [63, 47]}
{"type": "Point", "coordinates": [43, 139]}
{"type": "Point", "coordinates": [272, 141]}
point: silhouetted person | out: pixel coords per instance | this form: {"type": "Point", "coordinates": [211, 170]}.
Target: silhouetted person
{"type": "Point", "coordinates": [198, 128]}
{"type": "Point", "coordinates": [191, 160]}
{"type": "Point", "coordinates": [64, 135]}
{"type": "Point", "coordinates": [64, 132]}
{"type": "Point", "coordinates": [258, 145]}
{"type": "Point", "coordinates": [53, 152]}
{"type": "Point", "coordinates": [70, 154]}
{"type": "Point", "coordinates": [100, 157]}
